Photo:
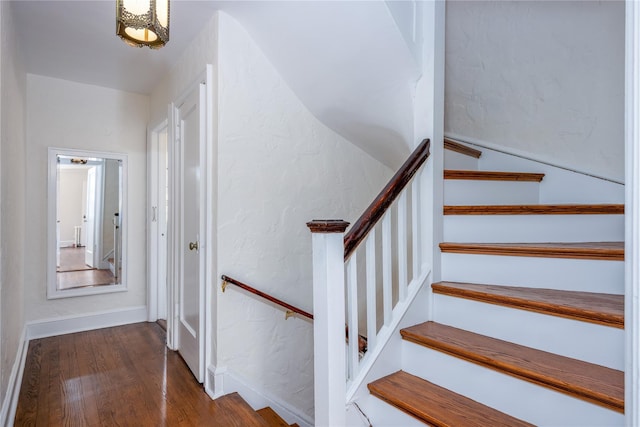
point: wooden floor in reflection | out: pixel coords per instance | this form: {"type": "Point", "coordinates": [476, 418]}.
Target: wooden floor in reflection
{"type": "Point", "coordinates": [122, 376]}
{"type": "Point", "coordinates": [72, 259]}
{"type": "Point", "coordinates": [85, 278]}
{"type": "Point", "coordinates": [74, 273]}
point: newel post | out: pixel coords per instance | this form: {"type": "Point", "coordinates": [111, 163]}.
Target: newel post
{"type": "Point", "coordinates": [328, 321]}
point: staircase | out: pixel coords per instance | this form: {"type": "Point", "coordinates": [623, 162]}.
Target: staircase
{"type": "Point", "coordinates": [528, 326]}
{"type": "Point", "coordinates": [237, 412]}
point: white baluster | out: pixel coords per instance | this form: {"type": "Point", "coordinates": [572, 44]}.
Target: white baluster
{"type": "Point", "coordinates": [415, 230]}
{"type": "Point", "coordinates": [387, 303]}
{"type": "Point", "coordinates": [372, 329]}
{"type": "Point", "coordinates": [402, 246]}
{"type": "Point", "coordinates": [352, 316]}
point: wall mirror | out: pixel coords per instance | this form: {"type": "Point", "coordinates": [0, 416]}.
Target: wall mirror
{"type": "Point", "coordinates": [87, 223]}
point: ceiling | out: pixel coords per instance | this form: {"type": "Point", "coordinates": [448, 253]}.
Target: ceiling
{"type": "Point", "coordinates": [76, 40]}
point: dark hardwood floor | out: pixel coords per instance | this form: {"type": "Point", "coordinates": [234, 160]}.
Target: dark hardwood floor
{"type": "Point", "coordinates": [73, 273]}
{"type": "Point", "coordinates": [122, 376]}
{"type": "Point", "coordinates": [72, 259]}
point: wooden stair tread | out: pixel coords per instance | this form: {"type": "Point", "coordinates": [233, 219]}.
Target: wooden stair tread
{"type": "Point", "coordinates": [594, 383]}
{"type": "Point", "coordinates": [272, 418]}
{"type": "Point", "coordinates": [612, 251]}
{"type": "Point", "coordinates": [238, 412]}
{"type": "Point", "coordinates": [452, 145]}
{"type": "Point", "coordinates": [492, 175]}
{"type": "Point", "coordinates": [563, 209]}
{"type": "Point", "coordinates": [603, 309]}
{"type": "Point", "coordinates": [436, 405]}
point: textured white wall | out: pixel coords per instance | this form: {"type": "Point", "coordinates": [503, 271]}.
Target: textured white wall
{"type": "Point", "coordinates": [66, 114]}
{"type": "Point", "coordinates": [540, 77]}
{"type": "Point", "coordinates": [348, 63]}
{"type": "Point", "coordinates": [279, 167]}
{"type": "Point", "coordinates": [12, 197]}
{"type": "Point", "coordinates": [202, 51]}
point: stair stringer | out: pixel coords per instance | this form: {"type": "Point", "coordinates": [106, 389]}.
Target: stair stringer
{"type": "Point", "coordinates": [387, 361]}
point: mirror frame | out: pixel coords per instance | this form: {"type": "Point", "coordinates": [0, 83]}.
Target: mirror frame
{"type": "Point", "coordinates": [52, 289]}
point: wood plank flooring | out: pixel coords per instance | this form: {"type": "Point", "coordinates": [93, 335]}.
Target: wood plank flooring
{"type": "Point", "coordinates": [72, 259]}
{"type": "Point", "coordinates": [122, 376]}
{"type": "Point", "coordinates": [84, 279]}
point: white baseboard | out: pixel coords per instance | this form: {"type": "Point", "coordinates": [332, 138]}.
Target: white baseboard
{"type": "Point", "coordinates": [10, 403]}
{"type": "Point", "coordinates": [85, 322]}
{"type": "Point", "coordinates": [257, 399]}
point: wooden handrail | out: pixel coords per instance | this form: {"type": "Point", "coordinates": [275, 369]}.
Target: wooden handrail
{"type": "Point", "coordinates": [362, 341]}
{"type": "Point", "coordinates": [381, 203]}
{"type": "Point", "coordinates": [227, 279]}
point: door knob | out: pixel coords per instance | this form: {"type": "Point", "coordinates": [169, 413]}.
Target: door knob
{"type": "Point", "coordinates": [193, 246]}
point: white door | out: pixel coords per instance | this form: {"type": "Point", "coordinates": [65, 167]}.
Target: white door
{"type": "Point", "coordinates": [190, 328]}
{"type": "Point", "coordinates": [90, 218]}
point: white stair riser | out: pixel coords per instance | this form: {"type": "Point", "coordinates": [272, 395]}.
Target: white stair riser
{"type": "Point", "coordinates": [458, 161]}
{"type": "Point", "coordinates": [559, 185]}
{"type": "Point", "coordinates": [533, 228]}
{"type": "Point", "coordinates": [472, 192]}
{"type": "Point", "coordinates": [550, 273]}
{"type": "Point", "coordinates": [590, 342]}
{"type": "Point", "coordinates": [521, 399]}
{"type": "Point", "coordinates": [380, 414]}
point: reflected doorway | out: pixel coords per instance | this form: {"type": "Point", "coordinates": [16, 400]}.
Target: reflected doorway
{"type": "Point", "coordinates": [84, 191]}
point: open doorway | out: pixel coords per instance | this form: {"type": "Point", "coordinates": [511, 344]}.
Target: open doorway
{"type": "Point", "coordinates": [157, 223]}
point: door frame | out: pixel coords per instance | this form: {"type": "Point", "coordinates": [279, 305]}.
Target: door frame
{"type": "Point", "coordinates": [155, 182]}
{"type": "Point", "coordinates": [208, 244]}
{"type": "Point", "coordinates": [98, 207]}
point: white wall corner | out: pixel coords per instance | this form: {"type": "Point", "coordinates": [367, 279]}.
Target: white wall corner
{"type": "Point", "coordinates": [85, 322]}
{"type": "Point", "coordinates": [10, 403]}
{"type": "Point", "coordinates": [632, 214]}
{"type": "Point", "coordinates": [258, 399]}
{"type": "Point", "coordinates": [214, 382]}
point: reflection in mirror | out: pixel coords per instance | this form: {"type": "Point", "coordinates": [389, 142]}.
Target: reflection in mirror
{"type": "Point", "coordinates": [86, 223]}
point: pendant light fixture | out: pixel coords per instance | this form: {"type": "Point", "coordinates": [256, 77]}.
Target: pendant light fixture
{"type": "Point", "coordinates": [143, 22]}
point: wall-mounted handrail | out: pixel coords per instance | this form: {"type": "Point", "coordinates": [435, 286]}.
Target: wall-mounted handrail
{"type": "Point", "coordinates": [291, 310]}
{"type": "Point", "coordinates": [289, 307]}
{"type": "Point", "coordinates": [387, 196]}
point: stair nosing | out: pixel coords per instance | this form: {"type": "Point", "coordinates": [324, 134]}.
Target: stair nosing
{"type": "Point", "coordinates": [484, 175]}
{"type": "Point", "coordinates": [535, 209]}
{"type": "Point", "coordinates": [458, 147]}
{"type": "Point", "coordinates": [520, 371]}
{"type": "Point", "coordinates": [379, 387]}
{"type": "Point", "coordinates": [538, 250]}
{"type": "Point", "coordinates": [519, 302]}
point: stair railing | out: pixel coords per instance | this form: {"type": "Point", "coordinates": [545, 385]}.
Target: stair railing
{"type": "Point", "coordinates": [338, 263]}
{"type": "Point", "coordinates": [290, 310]}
